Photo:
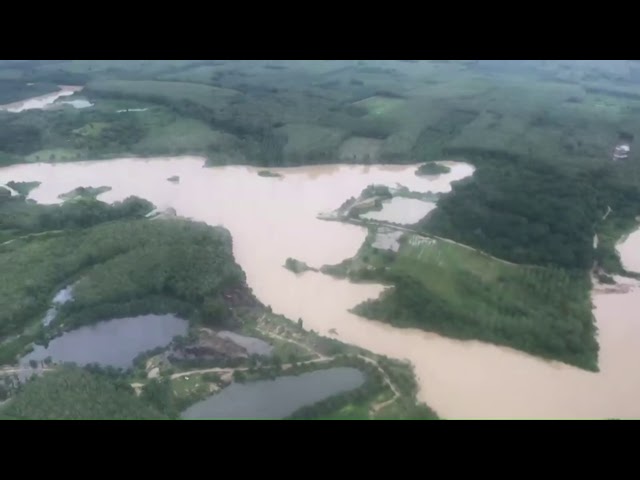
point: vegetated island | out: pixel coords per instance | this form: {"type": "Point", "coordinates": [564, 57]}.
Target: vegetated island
{"type": "Point", "coordinates": [432, 168]}
{"type": "Point", "coordinates": [122, 265]}
{"type": "Point", "coordinates": [23, 188]}
{"type": "Point", "coordinates": [269, 173]}
{"type": "Point", "coordinates": [297, 266]}
{"type": "Point", "coordinates": [84, 193]}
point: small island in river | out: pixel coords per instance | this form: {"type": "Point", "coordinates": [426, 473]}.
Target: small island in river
{"type": "Point", "coordinates": [297, 266]}
{"type": "Point", "coordinates": [268, 173]}
{"type": "Point", "coordinates": [84, 192]}
{"type": "Point", "coordinates": [432, 168]}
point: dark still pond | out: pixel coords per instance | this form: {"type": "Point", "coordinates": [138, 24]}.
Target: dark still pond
{"type": "Point", "coordinates": [111, 343]}
{"type": "Point", "coordinates": [275, 399]}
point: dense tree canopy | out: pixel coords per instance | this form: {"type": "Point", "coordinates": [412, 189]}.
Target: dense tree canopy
{"type": "Point", "coordinates": [72, 393]}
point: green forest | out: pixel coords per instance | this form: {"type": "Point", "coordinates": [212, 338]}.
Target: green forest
{"type": "Point", "coordinates": [72, 393]}
{"type": "Point", "coordinates": [460, 293]}
{"type": "Point", "coordinates": [121, 267]}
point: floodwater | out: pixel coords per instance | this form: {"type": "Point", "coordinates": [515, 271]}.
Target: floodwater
{"type": "Point", "coordinates": [111, 343]}
{"type": "Point", "coordinates": [11, 190]}
{"type": "Point", "coordinates": [41, 102]}
{"type": "Point", "coordinates": [405, 211]}
{"type": "Point", "coordinates": [276, 399]}
{"type": "Point", "coordinates": [387, 239]}
{"type": "Point", "coordinates": [629, 252]}
{"type": "Point", "coordinates": [272, 219]}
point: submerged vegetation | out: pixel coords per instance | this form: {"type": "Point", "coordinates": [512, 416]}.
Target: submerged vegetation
{"type": "Point", "coordinates": [20, 217]}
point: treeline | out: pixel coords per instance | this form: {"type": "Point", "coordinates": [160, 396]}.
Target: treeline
{"type": "Point", "coordinates": [25, 217]}
{"type": "Point", "coordinates": [73, 393]}
{"type": "Point", "coordinates": [94, 131]}
{"type": "Point", "coordinates": [524, 211]}
{"type": "Point", "coordinates": [260, 143]}
{"type": "Point", "coordinates": [540, 312]}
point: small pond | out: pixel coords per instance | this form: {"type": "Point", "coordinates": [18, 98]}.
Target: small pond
{"type": "Point", "coordinates": [111, 343]}
{"type": "Point", "coordinates": [276, 399]}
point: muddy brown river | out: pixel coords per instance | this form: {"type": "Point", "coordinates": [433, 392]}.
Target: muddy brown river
{"type": "Point", "coordinates": [272, 219]}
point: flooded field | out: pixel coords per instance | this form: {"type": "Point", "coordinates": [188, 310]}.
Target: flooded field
{"type": "Point", "coordinates": [405, 211]}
